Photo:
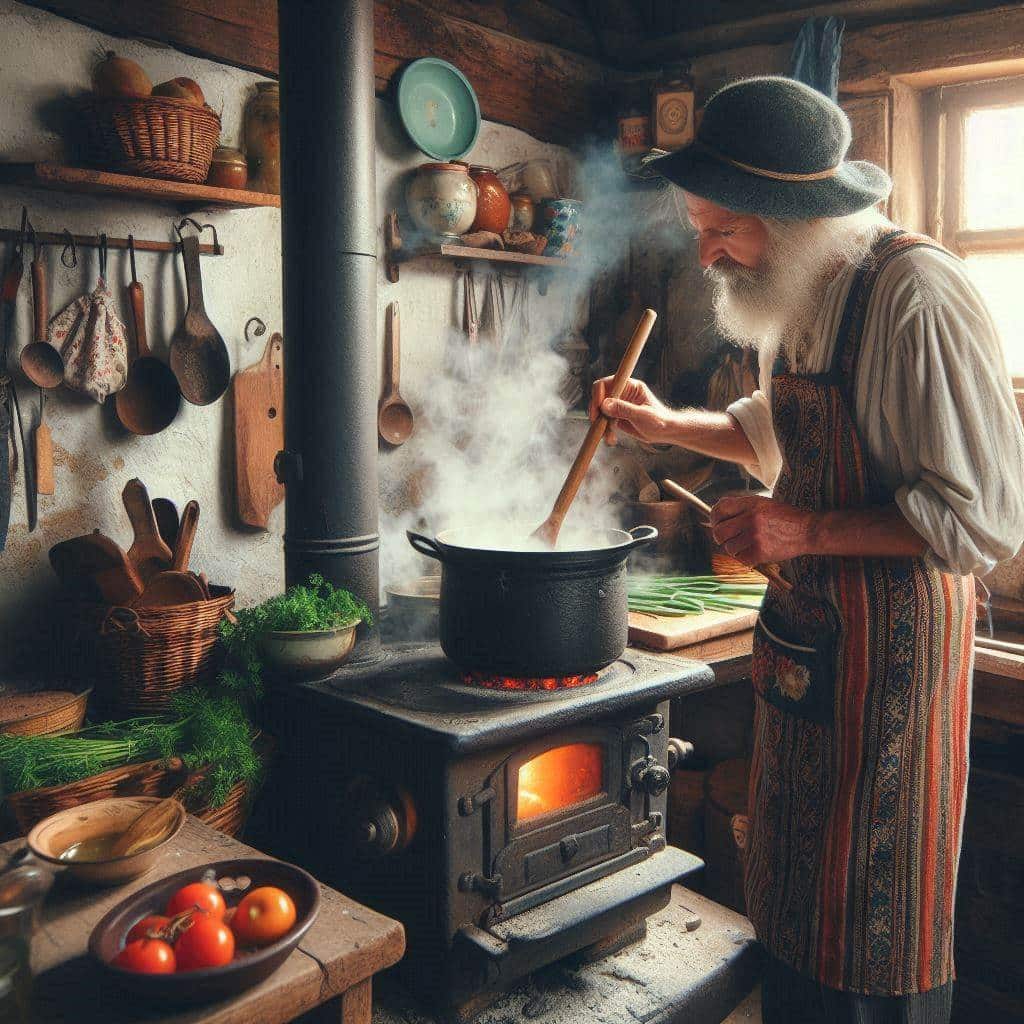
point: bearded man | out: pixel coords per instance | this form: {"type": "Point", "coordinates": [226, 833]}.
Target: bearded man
{"type": "Point", "coordinates": [886, 427]}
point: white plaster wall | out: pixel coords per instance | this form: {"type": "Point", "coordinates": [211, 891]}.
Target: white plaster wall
{"type": "Point", "coordinates": [43, 58]}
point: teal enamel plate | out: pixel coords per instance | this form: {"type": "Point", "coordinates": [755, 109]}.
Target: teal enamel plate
{"type": "Point", "coordinates": [438, 108]}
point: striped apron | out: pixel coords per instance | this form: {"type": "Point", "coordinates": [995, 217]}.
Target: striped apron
{"type": "Point", "coordinates": [862, 681]}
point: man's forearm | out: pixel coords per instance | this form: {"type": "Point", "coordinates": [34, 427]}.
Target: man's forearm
{"type": "Point", "coordinates": [880, 532]}
{"type": "Point", "coordinates": [711, 433]}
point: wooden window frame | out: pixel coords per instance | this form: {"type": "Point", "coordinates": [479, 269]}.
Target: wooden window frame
{"type": "Point", "coordinates": [952, 106]}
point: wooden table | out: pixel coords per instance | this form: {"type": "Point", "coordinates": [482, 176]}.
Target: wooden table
{"type": "Point", "coordinates": [331, 969]}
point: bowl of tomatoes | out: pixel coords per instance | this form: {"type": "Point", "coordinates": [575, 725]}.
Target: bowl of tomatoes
{"type": "Point", "coordinates": [209, 932]}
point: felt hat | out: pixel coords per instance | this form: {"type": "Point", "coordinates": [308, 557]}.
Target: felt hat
{"type": "Point", "coordinates": [777, 148]}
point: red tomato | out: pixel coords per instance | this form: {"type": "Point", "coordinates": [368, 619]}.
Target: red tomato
{"type": "Point", "coordinates": [264, 916]}
{"type": "Point", "coordinates": [141, 929]}
{"type": "Point", "coordinates": [147, 956]}
{"type": "Point", "coordinates": [202, 895]}
{"type": "Point", "coordinates": [206, 942]}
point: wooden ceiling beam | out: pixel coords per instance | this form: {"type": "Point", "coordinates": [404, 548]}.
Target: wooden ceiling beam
{"type": "Point", "coordinates": [547, 91]}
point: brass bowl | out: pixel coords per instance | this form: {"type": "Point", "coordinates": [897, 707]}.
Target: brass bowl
{"type": "Point", "coordinates": [309, 655]}
{"type": "Point", "coordinates": [53, 835]}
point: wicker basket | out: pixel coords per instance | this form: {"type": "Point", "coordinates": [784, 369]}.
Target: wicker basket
{"type": "Point", "coordinates": [144, 656]}
{"type": "Point", "coordinates": [150, 778]}
{"type": "Point", "coordinates": [157, 137]}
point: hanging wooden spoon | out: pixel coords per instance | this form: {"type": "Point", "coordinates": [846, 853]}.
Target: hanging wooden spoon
{"type": "Point", "coordinates": [549, 529]}
{"type": "Point", "coordinates": [394, 417]}
{"type": "Point", "coordinates": [44, 452]}
{"type": "Point", "coordinates": [40, 361]}
{"type": "Point", "coordinates": [155, 822]}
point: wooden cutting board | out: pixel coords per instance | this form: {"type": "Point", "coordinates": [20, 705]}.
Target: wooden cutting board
{"type": "Point", "coordinates": [259, 435]}
{"type": "Point", "coordinates": [665, 633]}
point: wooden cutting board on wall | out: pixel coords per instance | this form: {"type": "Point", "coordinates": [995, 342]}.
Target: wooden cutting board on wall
{"type": "Point", "coordinates": [668, 633]}
{"type": "Point", "coordinates": [259, 435]}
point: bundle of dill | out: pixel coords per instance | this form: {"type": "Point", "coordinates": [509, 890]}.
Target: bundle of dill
{"type": "Point", "coordinates": [203, 728]}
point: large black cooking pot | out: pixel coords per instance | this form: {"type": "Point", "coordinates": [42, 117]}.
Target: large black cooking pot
{"type": "Point", "coordinates": [533, 613]}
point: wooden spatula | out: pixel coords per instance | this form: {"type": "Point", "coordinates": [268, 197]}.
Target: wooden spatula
{"type": "Point", "coordinates": [177, 585]}
{"type": "Point", "coordinates": [148, 828]}
{"type": "Point", "coordinates": [97, 561]}
{"type": "Point", "coordinates": [148, 553]}
{"type": "Point", "coordinates": [548, 530]}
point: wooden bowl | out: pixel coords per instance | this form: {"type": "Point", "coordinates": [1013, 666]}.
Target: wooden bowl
{"type": "Point", "coordinates": [248, 969]}
{"type": "Point", "coordinates": [309, 655]}
{"type": "Point", "coordinates": [35, 708]}
{"type": "Point", "coordinates": [53, 835]}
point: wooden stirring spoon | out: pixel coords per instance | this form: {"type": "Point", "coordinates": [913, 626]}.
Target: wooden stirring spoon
{"type": "Point", "coordinates": [148, 828]}
{"type": "Point", "coordinates": [549, 529]}
{"type": "Point", "coordinates": [148, 553]}
{"type": "Point", "coordinates": [176, 585]}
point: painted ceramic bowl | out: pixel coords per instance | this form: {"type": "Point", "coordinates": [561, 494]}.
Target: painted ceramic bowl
{"type": "Point", "coordinates": [438, 108]}
{"type": "Point", "coordinates": [308, 655]}
{"type": "Point", "coordinates": [559, 221]}
{"type": "Point", "coordinates": [442, 199]}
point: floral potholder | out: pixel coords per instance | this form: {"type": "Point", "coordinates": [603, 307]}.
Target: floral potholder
{"type": "Point", "coordinates": [91, 338]}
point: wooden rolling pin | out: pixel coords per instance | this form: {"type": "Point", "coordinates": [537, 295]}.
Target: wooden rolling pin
{"type": "Point", "coordinates": [548, 530]}
{"type": "Point", "coordinates": [771, 572]}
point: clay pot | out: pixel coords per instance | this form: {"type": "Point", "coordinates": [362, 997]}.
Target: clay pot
{"type": "Point", "coordinates": [442, 199]}
{"type": "Point", "coordinates": [522, 212]}
{"type": "Point", "coordinates": [493, 205]}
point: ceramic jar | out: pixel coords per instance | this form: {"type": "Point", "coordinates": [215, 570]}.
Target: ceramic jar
{"type": "Point", "coordinates": [522, 212]}
{"type": "Point", "coordinates": [263, 138]}
{"type": "Point", "coordinates": [559, 221]}
{"type": "Point", "coordinates": [228, 168]}
{"type": "Point", "coordinates": [442, 199]}
{"type": "Point", "coordinates": [492, 201]}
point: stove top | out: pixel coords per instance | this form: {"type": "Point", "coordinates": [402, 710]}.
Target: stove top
{"type": "Point", "coordinates": [414, 688]}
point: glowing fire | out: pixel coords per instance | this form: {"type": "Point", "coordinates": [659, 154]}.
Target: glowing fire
{"type": "Point", "coordinates": [495, 682]}
{"type": "Point", "coordinates": [560, 777]}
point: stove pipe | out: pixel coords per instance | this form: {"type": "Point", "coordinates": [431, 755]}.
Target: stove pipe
{"type": "Point", "coordinates": [329, 255]}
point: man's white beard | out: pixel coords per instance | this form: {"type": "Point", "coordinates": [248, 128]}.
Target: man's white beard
{"type": "Point", "coordinates": [775, 306]}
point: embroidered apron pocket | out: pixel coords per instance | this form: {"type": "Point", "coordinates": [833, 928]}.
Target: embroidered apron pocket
{"type": "Point", "coordinates": [795, 670]}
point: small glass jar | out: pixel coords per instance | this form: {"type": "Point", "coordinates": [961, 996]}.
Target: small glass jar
{"type": "Point", "coordinates": [263, 138]}
{"type": "Point", "coordinates": [228, 168]}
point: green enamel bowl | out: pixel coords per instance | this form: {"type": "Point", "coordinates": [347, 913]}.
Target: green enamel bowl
{"type": "Point", "coordinates": [438, 108]}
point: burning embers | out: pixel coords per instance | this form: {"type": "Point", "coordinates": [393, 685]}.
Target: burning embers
{"type": "Point", "coordinates": [498, 682]}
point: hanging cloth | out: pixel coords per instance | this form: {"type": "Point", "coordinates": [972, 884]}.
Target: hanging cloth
{"type": "Point", "coordinates": [816, 54]}
{"type": "Point", "coordinates": [91, 338]}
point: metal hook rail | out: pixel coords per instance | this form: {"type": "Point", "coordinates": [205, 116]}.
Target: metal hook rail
{"type": "Point", "coordinates": [95, 242]}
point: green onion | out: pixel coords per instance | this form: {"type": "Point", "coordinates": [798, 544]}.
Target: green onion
{"type": "Point", "coordinates": [691, 595]}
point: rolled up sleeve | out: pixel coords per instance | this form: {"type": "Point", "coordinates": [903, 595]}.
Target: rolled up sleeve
{"type": "Point", "coordinates": [957, 434]}
{"type": "Point", "coordinates": [754, 415]}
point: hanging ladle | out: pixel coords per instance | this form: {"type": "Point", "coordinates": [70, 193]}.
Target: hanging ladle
{"type": "Point", "coordinates": [394, 417]}
{"type": "Point", "coordinates": [151, 398]}
{"type": "Point", "coordinates": [40, 361]}
{"type": "Point", "coordinates": [549, 529]}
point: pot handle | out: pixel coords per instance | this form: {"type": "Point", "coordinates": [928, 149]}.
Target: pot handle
{"type": "Point", "coordinates": [641, 535]}
{"type": "Point", "coordinates": [424, 545]}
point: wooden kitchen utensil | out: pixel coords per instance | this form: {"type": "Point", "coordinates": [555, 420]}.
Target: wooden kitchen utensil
{"type": "Point", "coordinates": [394, 417]}
{"type": "Point", "coordinates": [548, 530]}
{"type": "Point", "coordinates": [43, 452]}
{"type": "Point", "coordinates": [199, 357]}
{"type": "Point", "coordinates": [176, 585]}
{"type": "Point", "coordinates": [149, 828]}
{"type": "Point", "coordinates": [96, 559]}
{"type": "Point", "coordinates": [151, 398]}
{"type": "Point", "coordinates": [148, 553]}
{"type": "Point", "coordinates": [166, 513]}
{"type": "Point", "coordinates": [258, 393]}
{"type": "Point", "coordinates": [769, 571]}
{"type": "Point", "coordinates": [668, 633]}
{"type": "Point", "coordinates": [40, 361]}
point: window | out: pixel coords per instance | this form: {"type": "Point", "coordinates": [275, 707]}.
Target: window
{"type": "Point", "coordinates": [981, 211]}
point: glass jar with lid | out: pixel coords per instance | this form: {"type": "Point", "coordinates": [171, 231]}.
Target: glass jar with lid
{"type": "Point", "coordinates": [263, 138]}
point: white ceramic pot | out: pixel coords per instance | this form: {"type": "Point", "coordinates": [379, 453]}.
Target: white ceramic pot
{"type": "Point", "coordinates": [442, 199]}
{"type": "Point", "coordinates": [309, 655]}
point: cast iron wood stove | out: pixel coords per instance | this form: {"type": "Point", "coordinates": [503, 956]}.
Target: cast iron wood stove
{"type": "Point", "coordinates": [505, 827]}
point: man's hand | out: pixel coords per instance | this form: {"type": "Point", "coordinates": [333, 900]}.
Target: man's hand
{"type": "Point", "coordinates": [637, 413]}
{"type": "Point", "coordinates": [755, 530]}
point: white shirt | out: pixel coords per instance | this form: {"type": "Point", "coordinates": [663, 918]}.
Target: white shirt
{"type": "Point", "coordinates": [933, 404]}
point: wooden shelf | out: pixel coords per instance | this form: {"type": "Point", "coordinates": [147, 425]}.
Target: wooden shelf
{"type": "Point", "coordinates": [396, 252]}
{"type": "Point", "coordinates": [58, 178]}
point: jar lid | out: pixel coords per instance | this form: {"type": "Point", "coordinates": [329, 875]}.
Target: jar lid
{"type": "Point", "coordinates": [228, 155]}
